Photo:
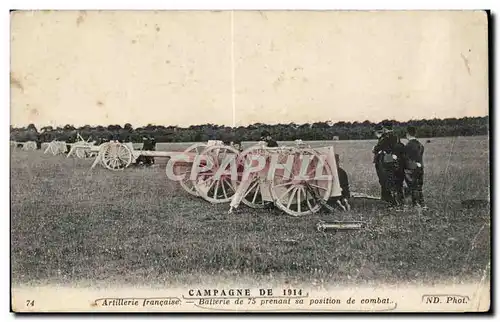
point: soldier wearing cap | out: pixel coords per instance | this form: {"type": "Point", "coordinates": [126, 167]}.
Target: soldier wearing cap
{"type": "Point", "coordinates": [266, 137]}
{"type": "Point", "coordinates": [149, 145]}
{"type": "Point", "coordinates": [385, 193]}
{"type": "Point", "coordinates": [389, 163]}
{"type": "Point", "coordinates": [237, 145]}
{"type": "Point", "coordinates": [414, 167]}
{"type": "Point", "coordinates": [343, 199]}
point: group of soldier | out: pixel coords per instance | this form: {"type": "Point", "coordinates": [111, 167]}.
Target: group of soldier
{"type": "Point", "coordinates": [397, 164]}
{"type": "Point", "coordinates": [265, 136]}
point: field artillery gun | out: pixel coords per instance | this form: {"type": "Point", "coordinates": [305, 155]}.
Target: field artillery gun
{"type": "Point", "coordinates": [13, 144]}
{"type": "Point", "coordinates": [118, 156]}
{"type": "Point", "coordinates": [83, 149]}
{"type": "Point", "coordinates": [298, 180]}
{"type": "Point", "coordinates": [25, 146]}
{"type": "Point", "coordinates": [29, 146]}
{"type": "Point", "coordinates": [56, 147]}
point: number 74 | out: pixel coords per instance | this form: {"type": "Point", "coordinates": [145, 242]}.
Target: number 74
{"type": "Point", "coordinates": [30, 302]}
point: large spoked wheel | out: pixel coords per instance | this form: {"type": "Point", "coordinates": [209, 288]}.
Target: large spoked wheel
{"type": "Point", "coordinates": [81, 154]}
{"type": "Point", "coordinates": [216, 185]}
{"type": "Point", "coordinates": [306, 189]}
{"type": "Point", "coordinates": [186, 183]}
{"type": "Point", "coordinates": [62, 148]}
{"type": "Point", "coordinates": [115, 156]}
{"type": "Point", "coordinates": [258, 188]}
{"type": "Point", "coordinates": [29, 146]}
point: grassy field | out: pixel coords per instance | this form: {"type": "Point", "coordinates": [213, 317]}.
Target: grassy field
{"type": "Point", "coordinates": [70, 225]}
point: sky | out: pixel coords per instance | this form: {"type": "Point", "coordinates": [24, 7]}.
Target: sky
{"type": "Point", "coordinates": [243, 67]}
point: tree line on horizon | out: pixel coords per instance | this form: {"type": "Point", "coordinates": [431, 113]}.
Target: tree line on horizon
{"type": "Point", "coordinates": [317, 131]}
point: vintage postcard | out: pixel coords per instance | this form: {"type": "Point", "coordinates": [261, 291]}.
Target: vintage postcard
{"type": "Point", "coordinates": [250, 161]}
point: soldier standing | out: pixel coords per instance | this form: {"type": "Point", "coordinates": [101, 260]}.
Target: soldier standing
{"type": "Point", "coordinates": [152, 140]}
{"type": "Point", "coordinates": [39, 142]}
{"type": "Point", "coordinates": [343, 200]}
{"type": "Point", "coordinates": [388, 157]}
{"type": "Point", "coordinates": [385, 193]}
{"type": "Point", "coordinates": [266, 137]}
{"type": "Point", "coordinates": [237, 145]}
{"type": "Point", "coordinates": [149, 144]}
{"type": "Point", "coordinates": [414, 168]}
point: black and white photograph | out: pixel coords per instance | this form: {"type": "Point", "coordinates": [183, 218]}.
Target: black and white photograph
{"type": "Point", "coordinates": [218, 161]}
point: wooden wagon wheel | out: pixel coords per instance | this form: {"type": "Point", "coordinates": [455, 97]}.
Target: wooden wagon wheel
{"type": "Point", "coordinates": [81, 153]}
{"type": "Point", "coordinates": [54, 149]}
{"type": "Point", "coordinates": [115, 156]}
{"type": "Point", "coordinates": [63, 147]}
{"type": "Point", "coordinates": [29, 146]}
{"type": "Point", "coordinates": [253, 195]}
{"type": "Point", "coordinates": [217, 189]}
{"type": "Point", "coordinates": [302, 196]}
{"type": "Point", "coordinates": [186, 183]}
{"type": "Point", "coordinates": [49, 147]}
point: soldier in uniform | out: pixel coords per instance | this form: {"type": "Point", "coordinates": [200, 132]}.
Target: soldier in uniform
{"type": "Point", "coordinates": [149, 144]}
{"type": "Point", "coordinates": [385, 193]}
{"type": "Point", "coordinates": [414, 167]}
{"type": "Point", "coordinates": [388, 158]}
{"type": "Point", "coordinates": [39, 142]}
{"type": "Point", "coordinates": [141, 159]}
{"type": "Point", "coordinates": [343, 200]}
{"type": "Point", "coordinates": [237, 145]}
{"type": "Point", "coordinates": [266, 137]}
{"type": "Point", "coordinates": [153, 148]}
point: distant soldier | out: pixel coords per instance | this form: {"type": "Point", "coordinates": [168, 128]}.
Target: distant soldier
{"type": "Point", "coordinates": [153, 143]}
{"type": "Point", "coordinates": [149, 144]}
{"type": "Point", "coordinates": [141, 159]}
{"type": "Point", "coordinates": [400, 171]}
{"type": "Point", "coordinates": [266, 137]}
{"type": "Point", "coordinates": [100, 140]}
{"type": "Point", "coordinates": [237, 145]}
{"type": "Point", "coordinates": [39, 142]}
{"type": "Point", "coordinates": [388, 157]}
{"type": "Point", "coordinates": [227, 141]}
{"type": "Point", "coordinates": [116, 137]}
{"type": "Point", "coordinates": [385, 193]}
{"type": "Point", "coordinates": [343, 200]}
{"type": "Point", "coordinates": [414, 167]}
{"type": "Point", "coordinates": [152, 140]}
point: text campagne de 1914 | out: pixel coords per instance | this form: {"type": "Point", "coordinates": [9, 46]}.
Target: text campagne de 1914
{"type": "Point", "coordinates": [250, 299]}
